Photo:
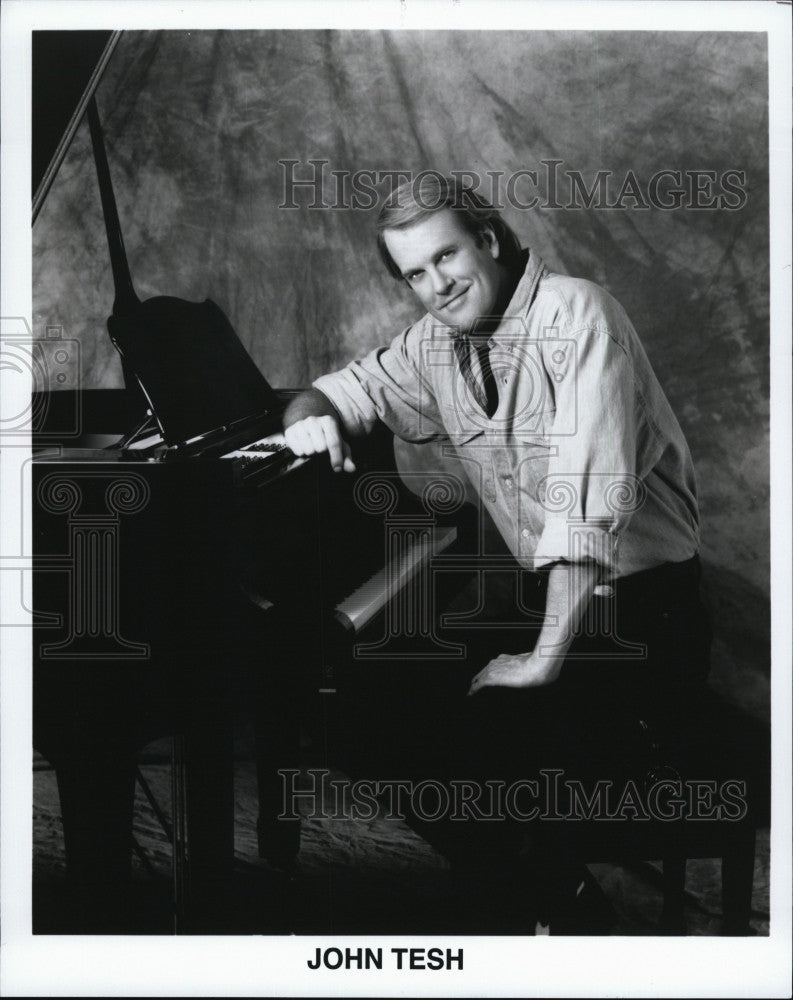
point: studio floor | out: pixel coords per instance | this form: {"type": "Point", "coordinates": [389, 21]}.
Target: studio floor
{"type": "Point", "coordinates": [352, 876]}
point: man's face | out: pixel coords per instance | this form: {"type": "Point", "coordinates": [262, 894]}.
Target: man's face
{"type": "Point", "coordinates": [457, 280]}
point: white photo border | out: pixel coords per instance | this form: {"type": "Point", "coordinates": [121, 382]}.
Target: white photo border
{"type": "Point", "coordinates": [272, 966]}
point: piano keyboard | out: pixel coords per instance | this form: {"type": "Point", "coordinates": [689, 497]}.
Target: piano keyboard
{"type": "Point", "coordinates": [363, 604]}
{"type": "Point", "coordinates": [268, 452]}
{"type": "Point", "coordinates": [264, 453]}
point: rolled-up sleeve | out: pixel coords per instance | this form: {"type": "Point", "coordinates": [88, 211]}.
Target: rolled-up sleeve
{"type": "Point", "coordinates": [591, 489]}
{"type": "Point", "coordinates": [390, 385]}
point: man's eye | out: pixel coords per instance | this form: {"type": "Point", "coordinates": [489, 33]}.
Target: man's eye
{"type": "Point", "coordinates": [414, 276]}
{"type": "Point", "coordinates": [446, 254]}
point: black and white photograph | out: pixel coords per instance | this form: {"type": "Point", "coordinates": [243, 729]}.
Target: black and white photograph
{"type": "Point", "coordinates": [396, 499]}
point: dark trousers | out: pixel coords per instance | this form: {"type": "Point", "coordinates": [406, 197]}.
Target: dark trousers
{"type": "Point", "coordinates": [628, 688]}
{"type": "Point", "coordinates": [639, 660]}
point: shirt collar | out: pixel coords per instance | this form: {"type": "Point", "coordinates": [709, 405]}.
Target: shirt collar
{"type": "Point", "coordinates": [523, 296]}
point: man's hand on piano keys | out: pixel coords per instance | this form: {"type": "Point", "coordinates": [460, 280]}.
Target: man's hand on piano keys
{"type": "Point", "coordinates": [525, 670]}
{"type": "Point", "coordinates": [313, 435]}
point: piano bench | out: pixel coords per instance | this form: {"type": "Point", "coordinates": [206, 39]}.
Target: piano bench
{"type": "Point", "coordinates": [674, 844]}
{"type": "Point", "coordinates": [708, 804]}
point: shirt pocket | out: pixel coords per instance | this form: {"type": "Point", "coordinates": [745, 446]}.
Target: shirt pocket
{"type": "Point", "coordinates": [462, 424]}
{"type": "Point", "coordinates": [464, 437]}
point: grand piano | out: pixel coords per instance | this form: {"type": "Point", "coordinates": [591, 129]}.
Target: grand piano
{"type": "Point", "coordinates": [184, 557]}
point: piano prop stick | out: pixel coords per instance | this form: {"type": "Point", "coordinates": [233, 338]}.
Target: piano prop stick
{"type": "Point", "coordinates": [168, 345]}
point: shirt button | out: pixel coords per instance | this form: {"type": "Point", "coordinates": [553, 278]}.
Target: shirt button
{"type": "Point", "coordinates": [509, 482]}
{"type": "Point", "coordinates": [525, 532]}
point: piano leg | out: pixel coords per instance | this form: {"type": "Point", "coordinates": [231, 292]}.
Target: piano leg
{"type": "Point", "coordinates": [277, 746]}
{"type": "Point", "coordinates": [97, 798]}
{"type": "Point", "coordinates": [209, 771]}
{"type": "Point", "coordinates": [209, 799]}
{"type": "Point", "coordinates": [275, 680]}
{"type": "Point", "coordinates": [97, 792]}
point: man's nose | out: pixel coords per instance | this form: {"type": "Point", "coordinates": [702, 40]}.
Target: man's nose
{"type": "Point", "coordinates": [441, 283]}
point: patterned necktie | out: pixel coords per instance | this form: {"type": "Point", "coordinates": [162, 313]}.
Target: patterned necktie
{"type": "Point", "coordinates": [484, 390]}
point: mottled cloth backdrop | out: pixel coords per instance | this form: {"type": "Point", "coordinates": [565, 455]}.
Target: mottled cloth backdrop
{"type": "Point", "coordinates": [196, 123]}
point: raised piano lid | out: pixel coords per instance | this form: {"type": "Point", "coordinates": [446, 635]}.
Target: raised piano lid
{"type": "Point", "coordinates": [195, 373]}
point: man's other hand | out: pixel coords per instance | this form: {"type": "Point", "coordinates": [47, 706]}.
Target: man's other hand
{"type": "Point", "coordinates": [313, 435]}
{"type": "Point", "coordinates": [525, 670]}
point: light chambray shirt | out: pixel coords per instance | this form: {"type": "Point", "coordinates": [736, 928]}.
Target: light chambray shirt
{"type": "Point", "coordinates": [583, 458]}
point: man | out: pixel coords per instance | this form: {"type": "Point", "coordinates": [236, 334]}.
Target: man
{"type": "Point", "coordinates": [579, 412]}
{"type": "Point", "coordinates": [539, 385]}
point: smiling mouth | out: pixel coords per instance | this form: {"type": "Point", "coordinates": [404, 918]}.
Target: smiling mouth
{"type": "Point", "coordinates": [455, 299]}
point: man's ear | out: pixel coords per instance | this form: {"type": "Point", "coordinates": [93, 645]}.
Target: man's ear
{"type": "Point", "coordinates": [490, 240]}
